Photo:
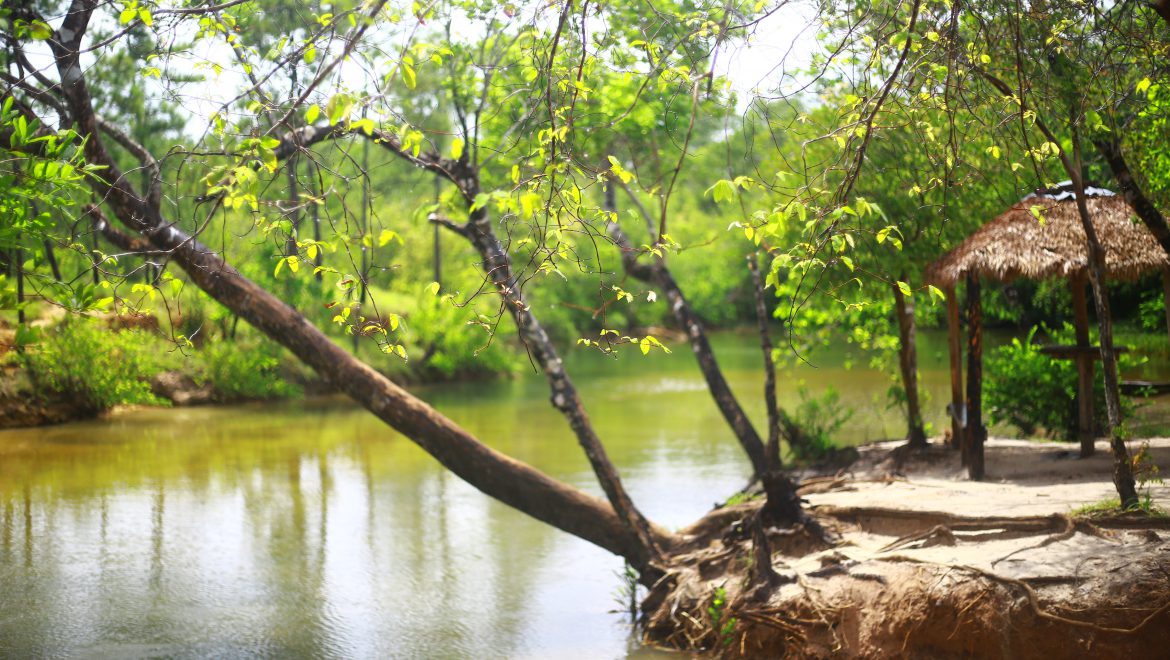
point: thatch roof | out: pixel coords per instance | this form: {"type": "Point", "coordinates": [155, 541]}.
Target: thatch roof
{"type": "Point", "coordinates": [1017, 244]}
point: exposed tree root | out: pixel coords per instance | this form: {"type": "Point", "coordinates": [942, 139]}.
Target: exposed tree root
{"type": "Point", "coordinates": [811, 600]}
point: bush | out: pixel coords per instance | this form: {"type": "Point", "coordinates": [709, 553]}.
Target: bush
{"type": "Point", "coordinates": [245, 369]}
{"type": "Point", "coordinates": [1036, 393]}
{"type": "Point", "coordinates": [95, 368]}
{"type": "Point", "coordinates": [447, 347]}
{"type": "Point", "coordinates": [819, 418]}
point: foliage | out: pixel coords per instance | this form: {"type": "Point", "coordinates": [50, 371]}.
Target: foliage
{"type": "Point", "coordinates": [820, 418]}
{"type": "Point", "coordinates": [94, 368]}
{"type": "Point", "coordinates": [1035, 392]}
{"type": "Point", "coordinates": [247, 369]}
{"type": "Point", "coordinates": [1111, 506]}
{"type": "Point", "coordinates": [721, 623]}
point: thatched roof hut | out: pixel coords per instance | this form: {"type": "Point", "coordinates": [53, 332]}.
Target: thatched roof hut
{"type": "Point", "coordinates": [1020, 244]}
{"type": "Point", "coordinates": [1039, 237]}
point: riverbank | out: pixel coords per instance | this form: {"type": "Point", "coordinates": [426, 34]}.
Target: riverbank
{"type": "Point", "coordinates": [927, 563]}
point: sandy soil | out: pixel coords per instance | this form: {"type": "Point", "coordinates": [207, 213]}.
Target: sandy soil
{"type": "Point", "coordinates": [928, 564]}
{"type": "Point", "coordinates": [1023, 478]}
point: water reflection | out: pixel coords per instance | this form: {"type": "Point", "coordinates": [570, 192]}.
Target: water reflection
{"type": "Point", "coordinates": [311, 530]}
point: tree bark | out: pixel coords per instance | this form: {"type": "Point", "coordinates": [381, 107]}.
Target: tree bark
{"type": "Point", "coordinates": [563, 393]}
{"type": "Point", "coordinates": [1122, 469]}
{"type": "Point", "coordinates": [908, 363]}
{"type": "Point", "coordinates": [658, 274]}
{"type": "Point", "coordinates": [497, 268]}
{"type": "Point", "coordinates": [772, 449]}
{"type": "Point", "coordinates": [497, 475]}
{"type": "Point", "coordinates": [1163, 9]}
{"type": "Point", "coordinates": [976, 433]}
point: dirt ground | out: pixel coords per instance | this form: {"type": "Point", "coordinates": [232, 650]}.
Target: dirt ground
{"type": "Point", "coordinates": [926, 564]}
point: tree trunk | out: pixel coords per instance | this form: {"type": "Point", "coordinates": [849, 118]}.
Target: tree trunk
{"type": "Point", "coordinates": [311, 174]}
{"type": "Point", "coordinates": [658, 274]}
{"type": "Point", "coordinates": [908, 362]}
{"type": "Point", "coordinates": [772, 449]}
{"type": "Point", "coordinates": [498, 268]}
{"type": "Point", "coordinates": [976, 433]}
{"type": "Point", "coordinates": [294, 200]}
{"type": "Point", "coordinates": [497, 475]}
{"type": "Point", "coordinates": [18, 258]}
{"type": "Point", "coordinates": [1122, 469]}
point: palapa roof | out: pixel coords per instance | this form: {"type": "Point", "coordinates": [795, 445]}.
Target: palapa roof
{"type": "Point", "coordinates": [1017, 244]}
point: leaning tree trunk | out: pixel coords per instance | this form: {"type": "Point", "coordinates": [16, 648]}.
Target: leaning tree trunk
{"type": "Point", "coordinates": [498, 268]}
{"type": "Point", "coordinates": [772, 449]}
{"type": "Point", "coordinates": [497, 475]}
{"type": "Point", "coordinates": [908, 363]}
{"type": "Point", "coordinates": [658, 274]}
{"type": "Point", "coordinates": [1122, 469]}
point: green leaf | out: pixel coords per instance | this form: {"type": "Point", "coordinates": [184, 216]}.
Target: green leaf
{"type": "Point", "coordinates": [622, 173]}
{"type": "Point", "coordinates": [936, 293]}
{"type": "Point", "coordinates": [904, 288]}
{"type": "Point", "coordinates": [457, 148]}
{"type": "Point", "coordinates": [433, 288]}
{"type": "Point", "coordinates": [364, 125]}
{"type": "Point", "coordinates": [408, 76]}
{"type": "Point", "coordinates": [1037, 212]}
{"type": "Point", "coordinates": [147, 19]}
{"type": "Point", "coordinates": [39, 30]}
{"type": "Point", "coordinates": [339, 107]}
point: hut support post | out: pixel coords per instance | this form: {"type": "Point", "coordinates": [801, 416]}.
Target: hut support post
{"type": "Point", "coordinates": [1166, 297]}
{"type": "Point", "coordinates": [955, 343]}
{"type": "Point", "coordinates": [1085, 430]}
{"type": "Point", "coordinates": [976, 433]}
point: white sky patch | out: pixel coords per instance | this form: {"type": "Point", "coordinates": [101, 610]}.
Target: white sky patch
{"type": "Point", "coordinates": [776, 55]}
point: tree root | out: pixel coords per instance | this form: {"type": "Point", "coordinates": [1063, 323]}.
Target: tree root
{"type": "Point", "coordinates": [1071, 527]}
{"type": "Point", "coordinates": [1034, 599]}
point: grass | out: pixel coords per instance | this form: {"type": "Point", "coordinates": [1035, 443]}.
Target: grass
{"type": "Point", "coordinates": [1111, 506]}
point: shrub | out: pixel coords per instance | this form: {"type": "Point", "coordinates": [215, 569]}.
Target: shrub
{"type": "Point", "coordinates": [95, 368]}
{"type": "Point", "coordinates": [1035, 392]}
{"type": "Point", "coordinates": [819, 418]}
{"type": "Point", "coordinates": [245, 369]}
{"type": "Point", "coordinates": [448, 347]}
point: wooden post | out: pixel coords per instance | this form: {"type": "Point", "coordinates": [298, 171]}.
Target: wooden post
{"type": "Point", "coordinates": [956, 350]}
{"type": "Point", "coordinates": [1166, 297]}
{"type": "Point", "coordinates": [1085, 431]}
{"type": "Point", "coordinates": [976, 432]}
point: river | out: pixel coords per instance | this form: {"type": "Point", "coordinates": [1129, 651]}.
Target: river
{"type": "Point", "coordinates": [309, 529]}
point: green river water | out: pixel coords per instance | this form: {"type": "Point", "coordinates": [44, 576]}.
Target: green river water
{"type": "Point", "coordinates": [309, 529]}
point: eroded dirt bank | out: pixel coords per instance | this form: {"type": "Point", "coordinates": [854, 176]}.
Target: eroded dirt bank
{"type": "Point", "coordinates": [927, 564]}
